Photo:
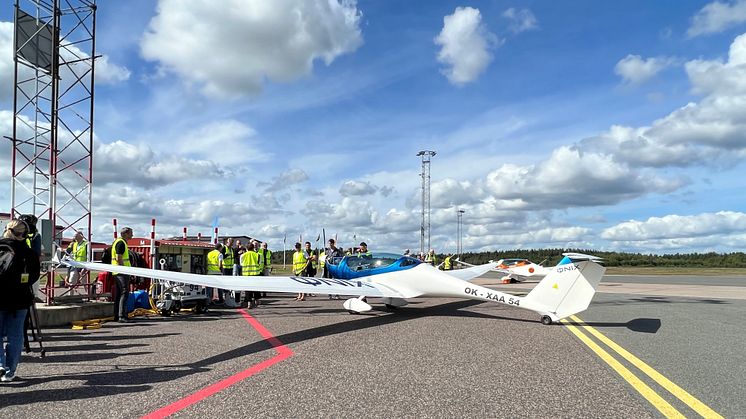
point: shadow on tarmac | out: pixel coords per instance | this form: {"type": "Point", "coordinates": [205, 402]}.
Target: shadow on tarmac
{"type": "Point", "coordinates": [660, 300]}
{"type": "Point", "coordinates": [139, 379]}
{"type": "Point", "coordinates": [641, 325]}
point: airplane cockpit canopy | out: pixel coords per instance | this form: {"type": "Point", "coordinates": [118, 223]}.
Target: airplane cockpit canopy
{"type": "Point", "coordinates": [377, 260]}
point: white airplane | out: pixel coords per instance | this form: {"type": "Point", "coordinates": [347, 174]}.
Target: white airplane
{"type": "Point", "coordinates": [518, 270]}
{"type": "Point", "coordinates": [568, 289]}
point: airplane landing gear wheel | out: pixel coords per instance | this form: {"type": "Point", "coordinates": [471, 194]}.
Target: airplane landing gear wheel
{"type": "Point", "coordinates": [352, 312]}
{"type": "Point", "coordinates": [390, 307]}
{"type": "Point", "coordinates": [165, 313]}
{"type": "Point", "coordinates": [546, 320]}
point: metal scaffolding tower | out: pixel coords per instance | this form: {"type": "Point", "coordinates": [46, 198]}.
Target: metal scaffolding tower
{"type": "Point", "coordinates": [425, 226]}
{"type": "Point", "coordinates": [52, 138]}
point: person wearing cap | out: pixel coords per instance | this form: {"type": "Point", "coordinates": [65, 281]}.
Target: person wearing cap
{"type": "Point", "coordinates": [364, 252]}
{"type": "Point", "coordinates": [15, 294]}
{"type": "Point", "coordinates": [431, 258]}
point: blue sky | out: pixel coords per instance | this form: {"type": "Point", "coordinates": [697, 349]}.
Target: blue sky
{"type": "Point", "coordinates": [557, 123]}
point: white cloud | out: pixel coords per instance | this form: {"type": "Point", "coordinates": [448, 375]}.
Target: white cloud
{"type": "Point", "coordinates": [530, 237]}
{"type": "Point", "coordinates": [672, 227]}
{"type": "Point", "coordinates": [717, 17]}
{"type": "Point", "coordinates": [110, 73]}
{"type": "Point", "coordinates": [6, 60]}
{"type": "Point", "coordinates": [708, 133]}
{"type": "Point", "coordinates": [285, 180]}
{"type": "Point", "coordinates": [520, 20]}
{"type": "Point", "coordinates": [573, 178]}
{"type": "Point", "coordinates": [125, 163]}
{"type": "Point", "coordinates": [348, 214]}
{"type": "Point", "coordinates": [716, 77]}
{"type": "Point", "coordinates": [356, 188]}
{"type": "Point", "coordinates": [635, 70]}
{"type": "Point", "coordinates": [449, 192]}
{"type": "Point", "coordinates": [106, 72]}
{"type": "Point", "coordinates": [228, 141]}
{"type": "Point", "coordinates": [465, 45]}
{"type": "Point", "coordinates": [231, 50]}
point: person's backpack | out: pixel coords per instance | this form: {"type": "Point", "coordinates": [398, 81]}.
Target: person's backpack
{"type": "Point", "coordinates": [7, 254]}
{"type": "Point", "coordinates": [106, 257]}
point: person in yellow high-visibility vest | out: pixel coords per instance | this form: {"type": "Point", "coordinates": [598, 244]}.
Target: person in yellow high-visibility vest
{"type": "Point", "coordinates": [266, 256]}
{"type": "Point", "coordinates": [120, 256]}
{"type": "Point", "coordinates": [300, 261]}
{"type": "Point", "coordinates": [78, 249]}
{"type": "Point", "coordinates": [229, 256]}
{"type": "Point", "coordinates": [250, 267]}
{"type": "Point", "coordinates": [447, 264]}
{"type": "Point", "coordinates": [215, 267]}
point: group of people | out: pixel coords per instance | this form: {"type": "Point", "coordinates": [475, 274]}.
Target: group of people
{"type": "Point", "coordinates": [432, 259]}
{"type": "Point", "coordinates": [20, 255]}
{"type": "Point", "coordinates": [306, 261]}
{"type": "Point", "coordinates": [229, 258]}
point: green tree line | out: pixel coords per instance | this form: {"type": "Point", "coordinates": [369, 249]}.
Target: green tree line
{"type": "Point", "coordinates": [550, 257]}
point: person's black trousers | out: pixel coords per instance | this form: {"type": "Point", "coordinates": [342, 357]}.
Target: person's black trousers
{"type": "Point", "coordinates": [123, 293]}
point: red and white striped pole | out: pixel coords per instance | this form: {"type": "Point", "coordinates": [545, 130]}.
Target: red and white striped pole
{"type": "Point", "coordinates": [216, 235]}
{"type": "Point", "coordinates": [152, 243]}
{"type": "Point", "coordinates": [114, 222]}
{"type": "Point", "coordinates": [184, 235]}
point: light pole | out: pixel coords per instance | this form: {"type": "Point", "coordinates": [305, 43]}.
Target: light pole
{"type": "Point", "coordinates": [459, 246]}
{"type": "Point", "coordinates": [425, 226]}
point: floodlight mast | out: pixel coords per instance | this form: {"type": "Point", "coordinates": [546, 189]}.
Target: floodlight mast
{"type": "Point", "coordinates": [460, 230]}
{"type": "Point", "coordinates": [425, 225]}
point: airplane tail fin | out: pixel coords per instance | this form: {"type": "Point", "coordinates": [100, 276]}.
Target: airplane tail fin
{"type": "Point", "coordinates": [569, 288]}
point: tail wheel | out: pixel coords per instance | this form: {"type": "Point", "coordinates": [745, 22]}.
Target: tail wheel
{"type": "Point", "coordinates": [546, 320]}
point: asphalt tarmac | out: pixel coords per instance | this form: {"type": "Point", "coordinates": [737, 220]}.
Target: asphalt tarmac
{"type": "Point", "coordinates": [433, 358]}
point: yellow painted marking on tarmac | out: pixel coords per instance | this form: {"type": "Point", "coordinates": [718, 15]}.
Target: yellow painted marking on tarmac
{"type": "Point", "coordinates": [648, 393]}
{"type": "Point", "coordinates": [555, 286]}
{"type": "Point", "coordinates": [691, 401]}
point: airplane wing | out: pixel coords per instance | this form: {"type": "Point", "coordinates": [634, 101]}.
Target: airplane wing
{"type": "Point", "coordinates": [472, 272]}
{"type": "Point", "coordinates": [289, 284]}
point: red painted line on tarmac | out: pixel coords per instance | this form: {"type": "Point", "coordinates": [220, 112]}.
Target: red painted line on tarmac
{"type": "Point", "coordinates": [283, 352]}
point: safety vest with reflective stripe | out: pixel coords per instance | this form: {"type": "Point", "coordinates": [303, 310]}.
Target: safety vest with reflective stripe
{"type": "Point", "coordinates": [125, 255]}
{"type": "Point", "coordinates": [314, 262]}
{"type": "Point", "coordinates": [260, 253]}
{"type": "Point", "coordinates": [78, 250]}
{"type": "Point", "coordinates": [228, 258]}
{"type": "Point", "coordinates": [433, 260]}
{"type": "Point", "coordinates": [322, 259]}
{"type": "Point", "coordinates": [447, 264]}
{"type": "Point", "coordinates": [250, 264]}
{"type": "Point", "coordinates": [267, 258]}
{"type": "Point", "coordinates": [213, 261]}
{"type": "Point", "coordinates": [299, 262]}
